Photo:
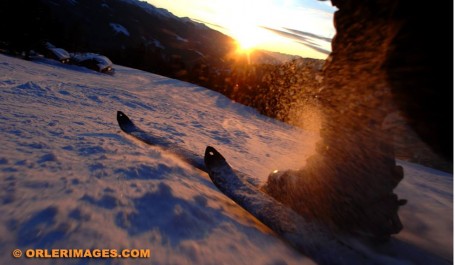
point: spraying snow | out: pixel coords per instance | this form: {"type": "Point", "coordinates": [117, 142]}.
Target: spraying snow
{"type": "Point", "coordinates": [71, 179]}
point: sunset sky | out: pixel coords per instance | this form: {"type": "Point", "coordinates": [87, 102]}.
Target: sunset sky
{"type": "Point", "coordinates": [301, 27]}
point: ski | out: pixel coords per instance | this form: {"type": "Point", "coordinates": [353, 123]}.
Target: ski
{"type": "Point", "coordinates": [190, 157]}
{"type": "Point", "coordinates": [307, 237]}
{"type": "Point", "coordinates": [127, 126]}
{"type": "Point", "coordinates": [310, 238]}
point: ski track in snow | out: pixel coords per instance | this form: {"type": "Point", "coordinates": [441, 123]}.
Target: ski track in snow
{"type": "Point", "coordinates": [69, 178]}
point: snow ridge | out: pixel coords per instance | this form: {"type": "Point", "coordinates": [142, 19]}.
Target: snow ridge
{"type": "Point", "coordinates": [119, 29]}
{"type": "Point", "coordinates": [151, 9]}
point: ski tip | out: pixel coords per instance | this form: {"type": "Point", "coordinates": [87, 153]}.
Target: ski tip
{"type": "Point", "coordinates": [124, 122]}
{"type": "Point", "coordinates": [120, 114]}
{"type": "Point", "coordinates": [212, 156]}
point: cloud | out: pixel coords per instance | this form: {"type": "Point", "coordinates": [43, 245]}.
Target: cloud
{"type": "Point", "coordinates": [208, 23]}
{"type": "Point", "coordinates": [304, 38]}
{"type": "Point", "coordinates": [323, 5]}
{"type": "Point", "coordinates": [316, 48]}
{"type": "Point", "coordinates": [304, 33]}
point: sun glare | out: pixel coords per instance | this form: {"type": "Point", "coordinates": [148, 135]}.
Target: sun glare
{"type": "Point", "coordinates": [247, 37]}
{"type": "Point", "coordinates": [247, 22]}
{"type": "Point", "coordinates": [242, 20]}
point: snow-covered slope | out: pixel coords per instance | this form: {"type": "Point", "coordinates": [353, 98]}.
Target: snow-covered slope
{"type": "Point", "coordinates": [69, 178]}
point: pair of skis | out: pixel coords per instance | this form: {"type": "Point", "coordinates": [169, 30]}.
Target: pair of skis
{"type": "Point", "coordinates": [310, 238]}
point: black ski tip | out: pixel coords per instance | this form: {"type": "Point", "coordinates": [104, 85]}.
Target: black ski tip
{"type": "Point", "coordinates": [212, 156]}
{"type": "Point", "coordinates": [124, 122]}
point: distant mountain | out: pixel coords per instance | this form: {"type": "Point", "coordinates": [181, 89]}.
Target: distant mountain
{"type": "Point", "coordinates": [139, 35]}
{"type": "Point", "coordinates": [130, 32]}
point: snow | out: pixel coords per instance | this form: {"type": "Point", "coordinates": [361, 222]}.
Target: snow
{"type": "Point", "coordinates": [119, 29]}
{"type": "Point", "coordinates": [194, 22]}
{"type": "Point", "coordinates": [60, 53]}
{"type": "Point", "coordinates": [71, 179]}
{"type": "Point", "coordinates": [158, 44]}
{"type": "Point", "coordinates": [151, 9]}
{"type": "Point", "coordinates": [200, 53]}
{"type": "Point", "coordinates": [180, 38]}
{"type": "Point", "coordinates": [102, 61]}
{"type": "Point", "coordinates": [73, 2]}
{"type": "Point", "coordinates": [430, 211]}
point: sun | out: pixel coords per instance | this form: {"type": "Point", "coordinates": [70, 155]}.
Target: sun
{"type": "Point", "coordinates": [248, 37]}
{"type": "Point", "coordinates": [246, 44]}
